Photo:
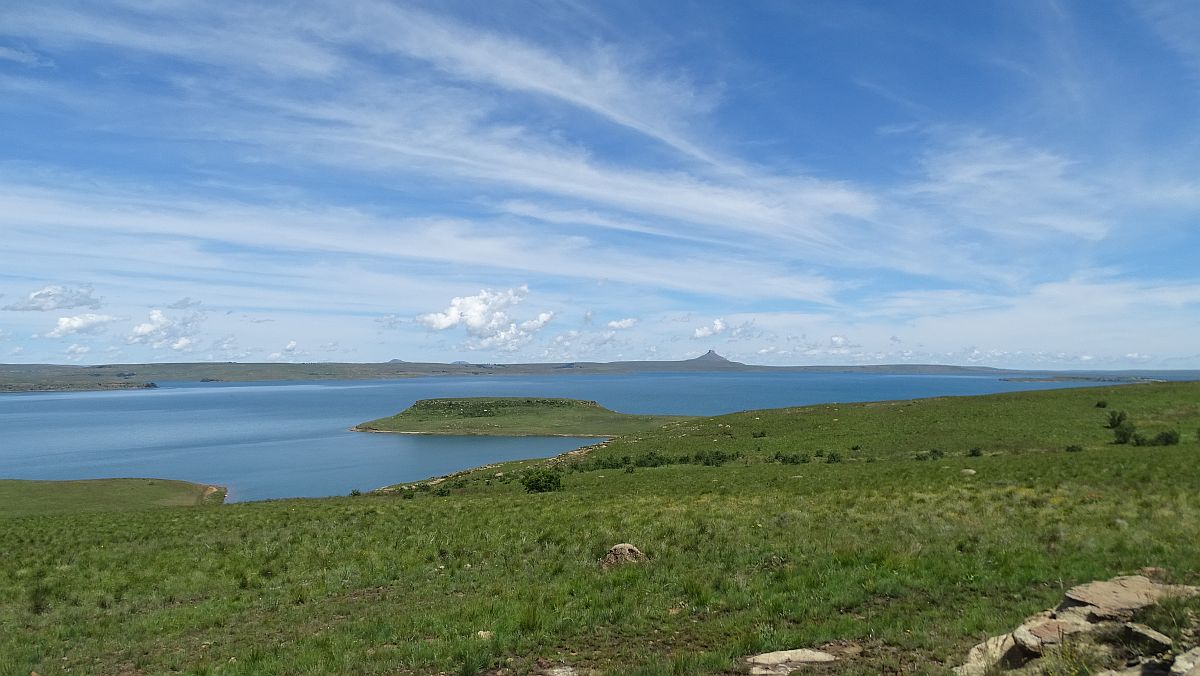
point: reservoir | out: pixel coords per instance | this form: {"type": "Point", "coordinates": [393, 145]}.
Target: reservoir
{"type": "Point", "coordinates": [291, 439]}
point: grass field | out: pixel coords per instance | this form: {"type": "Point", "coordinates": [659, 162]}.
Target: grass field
{"type": "Point", "coordinates": [513, 416]}
{"type": "Point", "coordinates": [751, 549]}
{"type": "Point", "coordinates": [24, 498]}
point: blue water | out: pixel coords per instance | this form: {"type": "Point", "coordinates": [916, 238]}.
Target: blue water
{"type": "Point", "coordinates": [276, 440]}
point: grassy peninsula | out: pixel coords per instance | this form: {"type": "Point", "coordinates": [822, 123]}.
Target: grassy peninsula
{"type": "Point", "coordinates": [513, 416]}
{"type": "Point", "coordinates": [895, 534]}
{"type": "Point", "coordinates": [25, 498]}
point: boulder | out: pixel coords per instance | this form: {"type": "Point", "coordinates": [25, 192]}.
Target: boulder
{"type": "Point", "coordinates": [967, 472]}
{"type": "Point", "coordinates": [621, 554]}
{"type": "Point", "coordinates": [1187, 664]}
{"type": "Point", "coordinates": [998, 652]}
{"type": "Point", "coordinates": [1145, 637]}
{"type": "Point", "coordinates": [1120, 597]}
{"type": "Point", "coordinates": [1046, 630]}
{"type": "Point", "coordinates": [784, 662]}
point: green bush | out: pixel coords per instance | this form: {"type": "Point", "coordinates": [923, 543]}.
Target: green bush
{"type": "Point", "coordinates": [833, 456]}
{"type": "Point", "coordinates": [354, 493]}
{"type": "Point", "coordinates": [1167, 438]}
{"type": "Point", "coordinates": [791, 458]}
{"type": "Point", "coordinates": [1074, 448]}
{"type": "Point", "coordinates": [1116, 419]}
{"type": "Point", "coordinates": [542, 481]}
{"type": "Point", "coordinates": [975, 452]}
{"type": "Point", "coordinates": [1124, 432]}
{"type": "Point", "coordinates": [1102, 404]}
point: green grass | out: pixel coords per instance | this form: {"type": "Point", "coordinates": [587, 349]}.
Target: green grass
{"type": "Point", "coordinates": [25, 498]}
{"type": "Point", "coordinates": [912, 560]}
{"type": "Point", "coordinates": [514, 416]}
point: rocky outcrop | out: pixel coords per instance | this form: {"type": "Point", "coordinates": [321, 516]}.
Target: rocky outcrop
{"type": "Point", "coordinates": [622, 554]}
{"type": "Point", "coordinates": [784, 662]}
{"type": "Point", "coordinates": [1096, 610]}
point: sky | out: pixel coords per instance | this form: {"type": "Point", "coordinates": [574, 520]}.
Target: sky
{"type": "Point", "coordinates": [1002, 183]}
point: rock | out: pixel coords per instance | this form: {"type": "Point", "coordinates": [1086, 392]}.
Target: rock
{"type": "Point", "coordinates": [783, 662]}
{"type": "Point", "coordinates": [967, 472]}
{"type": "Point", "coordinates": [1145, 637]}
{"type": "Point", "coordinates": [620, 554]}
{"type": "Point", "coordinates": [1187, 664]}
{"type": "Point", "coordinates": [1045, 629]}
{"type": "Point", "coordinates": [483, 635]}
{"type": "Point", "coordinates": [998, 652]}
{"type": "Point", "coordinates": [560, 671]}
{"type": "Point", "coordinates": [1115, 599]}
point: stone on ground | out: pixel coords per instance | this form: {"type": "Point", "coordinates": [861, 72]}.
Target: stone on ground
{"type": "Point", "coordinates": [783, 662]}
{"type": "Point", "coordinates": [1187, 664]}
{"type": "Point", "coordinates": [620, 554]}
{"type": "Point", "coordinates": [998, 652]}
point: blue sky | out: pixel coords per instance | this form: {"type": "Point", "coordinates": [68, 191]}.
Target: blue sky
{"type": "Point", "coordinates": [1013, 184]}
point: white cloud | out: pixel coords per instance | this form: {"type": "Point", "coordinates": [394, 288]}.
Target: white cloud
{"type": "Point", "coordinates": [161, 331]}
{"type": "Point", "coordinates": [76, 352]}
{"type": "Point", "coordinates": [627, 323]}
{"type": "Point", "coordinates": [58, 297]}
{"type": "Point", "coordinates": [290, 347]}
{"type": "Point", "coordinates": [85, 323]}
{"type": "Point", "coordinates": [717, 326]}
{"type": "Point", "coordinates": [485, 318]}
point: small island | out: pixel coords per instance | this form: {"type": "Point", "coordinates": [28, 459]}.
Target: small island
{"type": "Point", "coordinates": [514, 416]}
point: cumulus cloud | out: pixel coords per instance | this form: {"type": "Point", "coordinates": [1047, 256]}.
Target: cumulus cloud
{"type": "Point", "coordinates": [161, 331]}
{"type": "Point", "coordinates": [626, 323]}
{"type": "Point", "coordinates": [85, 323]}
{"type": "Point", "coordinates": [286, 352]}
{"type": "Point", "coordinates": [76, 352]}
{"type": "Point", "coordinates": [717, 326]}
{"type": "Point", "coordinates": [485, 318]}
{"type": "Point", "coordinates": [57, 297]}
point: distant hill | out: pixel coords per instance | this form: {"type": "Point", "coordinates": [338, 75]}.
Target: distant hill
{"type": "Point", "coordinates": [57, 377]}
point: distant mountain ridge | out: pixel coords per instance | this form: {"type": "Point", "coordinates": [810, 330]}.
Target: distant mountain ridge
{"type": "Point", "coordinates": [52, 377]}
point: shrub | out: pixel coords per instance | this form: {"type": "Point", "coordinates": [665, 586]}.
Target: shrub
{"type": "Point", "coordinates": [856, 447]}
{"type": "Point", "coordinates": [1124, 432]}
{"type": "Point", "coordinates": [1116, 419]}
{"type": "Point", "coordinates": [936, 454]}
{"type": "Point", "coordinates": [1102, 404]}
{"type": "Point", "coordinates": [759, 434]}
{"type": "Point", "coordinates": [713, 458]}
{"type": "Point", "coordinates": [652, 459]}
{"type": "Point", "coordinates": [354, 493]}
{"type": "Point", "coordinates": [975, 452]}
{"type": "Point", "coordinates": [541, 481]}
{"type": "Point", "coordinates": [408, 495]}
{"type": "Point", "coordinates": [832, 457]}
{"type": "Point", "coordinates": [791, 458]}
{"type": "Point", "coordinates": [441, 491]}
{"type": "Point", "coordinates": [1074, 448]}
{"type": "Point", "coordinates": [1167, 438]}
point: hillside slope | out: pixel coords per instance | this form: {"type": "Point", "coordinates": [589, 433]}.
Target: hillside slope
{"type": "Point", "coordinates": [901, 563]}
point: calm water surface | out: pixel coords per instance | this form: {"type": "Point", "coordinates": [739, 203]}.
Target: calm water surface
{"type": "Point", "coordinates": [276, 440]}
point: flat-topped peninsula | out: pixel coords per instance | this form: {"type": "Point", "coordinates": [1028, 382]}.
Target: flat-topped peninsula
{"type": "Point", "coordinates": [514, 416]}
